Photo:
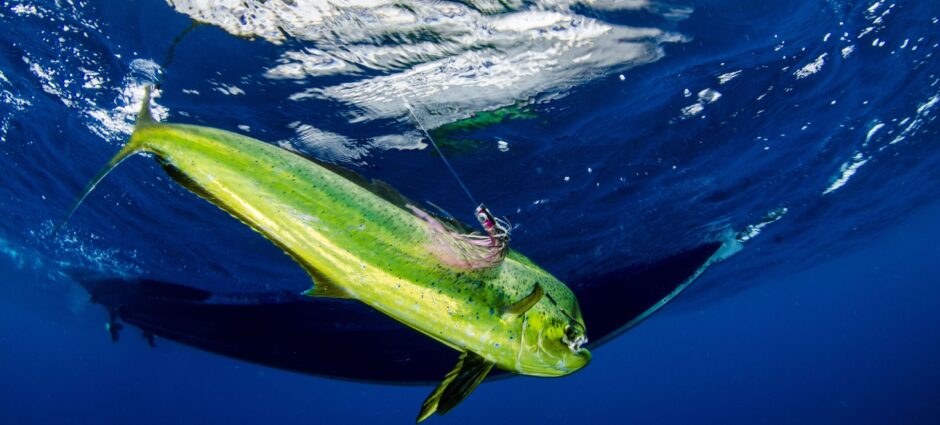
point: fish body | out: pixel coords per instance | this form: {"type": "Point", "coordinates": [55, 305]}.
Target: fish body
{"type": "Point", "coordinates": [355, 244]}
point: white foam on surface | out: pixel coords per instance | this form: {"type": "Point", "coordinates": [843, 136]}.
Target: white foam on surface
{"type": "Point", "coordinates": [847, 50]}
{"type": "Point", "coordinates": [338, 148]}
{"type": "Point", "coordinates": [922, 114]}
{"type": "Point", "coordinates": [308, 62]}
{"type": "Point", "coordinates": [8, 97]}
{"type": "Point", "coordinates": [71, 70]}
{"type": "Point", "coordinates": [116, 123]}
{"type": "Point", "coordinates": [93, 79]}
{"type": "Point", "coordinates": [693, 109]}
{"type": "Point", "coordinates": [847, 170]}
{"type": "Point", "coordinates": [752, 230]}
{"type": "Point", "coordinates": [399, 142]}
{"type": "Point", "coordinates": [874, 129]}
{"type": "Point", "coordinates": [705, 97]}
{"type": "Point", "coordinates": [449, 59]}
{"type": "Point", "coordinates": [48, 81]}
{"type": "Point", "coordinates": [27, 10]}
{"type": "Point", "coordinates": [708, 96]}
{"type": "Point", "coordinates": [726, 77]}
{"type": "Point", "coordinates": [227, 89]}
{"type": "Point", "coordinates": [323, 144]}
{"type": "Point", "coordinates": [812, 67]}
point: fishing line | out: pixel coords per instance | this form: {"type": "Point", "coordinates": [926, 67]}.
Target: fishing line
{"type": "Point", "coordinates": [171, 52]}
{"type": "Point", "coordinates": [443, 158]}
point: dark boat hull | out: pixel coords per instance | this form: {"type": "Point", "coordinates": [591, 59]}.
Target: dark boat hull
{"type": "Point", "coordinates": [346, 339]}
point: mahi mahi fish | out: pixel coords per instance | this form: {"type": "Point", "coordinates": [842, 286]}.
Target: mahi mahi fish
{"type": "Point", "coordinates": [410, 265]}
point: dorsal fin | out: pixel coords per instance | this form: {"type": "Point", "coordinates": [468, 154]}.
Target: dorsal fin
{"type": "Point", "coordinates": [385, 191]}
{"type": "Point", "coordinates": [377, 187]}
{"type": "Point", "coordinates": [520, 307]}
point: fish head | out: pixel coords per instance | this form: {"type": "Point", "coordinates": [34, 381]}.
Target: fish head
{"type": "Point", "coordinates": [555, 336]}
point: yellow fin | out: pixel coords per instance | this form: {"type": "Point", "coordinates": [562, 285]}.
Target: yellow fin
{"type": "Point", "coordinates": [324, 290]}
{"type": "Point", "coordinates": [322, 285]}
{"type": "Point", "coordinates": [144, 116]}
{"type": "Point", "coordinates": [130, 148]}
{"type": "Point", "coordinates": [470, 371]}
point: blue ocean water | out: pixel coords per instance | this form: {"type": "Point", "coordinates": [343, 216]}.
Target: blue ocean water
{"type": "Point", "coordinates": [801, 134]}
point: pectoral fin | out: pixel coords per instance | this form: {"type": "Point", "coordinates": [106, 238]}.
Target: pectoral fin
{"type": "Point", "coordinates": [520, 307]}
{"type": "Point", "coordinates": [457, 385]}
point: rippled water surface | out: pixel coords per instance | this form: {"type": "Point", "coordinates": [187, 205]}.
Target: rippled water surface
{"type": "Point", "coordinates": [609, 132]}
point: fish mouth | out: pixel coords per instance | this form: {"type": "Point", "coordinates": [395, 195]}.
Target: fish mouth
{"type": "Point", "coordinates": [576, 344]}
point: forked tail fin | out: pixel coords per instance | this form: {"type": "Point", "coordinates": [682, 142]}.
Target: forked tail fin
{"type": "Point", "coordinates": [144, 118]}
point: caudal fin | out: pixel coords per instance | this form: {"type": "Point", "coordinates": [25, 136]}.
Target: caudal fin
{"type": "Point", "coordinates": [144, 118]}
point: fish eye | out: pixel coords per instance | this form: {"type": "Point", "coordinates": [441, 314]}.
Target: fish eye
{"type": "Point", "coordinates": [570, 332]}
{"type": "Point", "coordinates": [574, 337]}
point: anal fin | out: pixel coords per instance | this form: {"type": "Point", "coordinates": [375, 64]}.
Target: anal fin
{"type": "Point", "coordinates": [323, 286]}
{"type": "Point", "coordinates": [326, 290]}
{"type": "Point", "coordinates": [470, 371]}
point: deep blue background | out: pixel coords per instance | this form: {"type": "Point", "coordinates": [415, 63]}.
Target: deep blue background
{"type": "Point", "coordinates": [829, 315]}
{"type": "Point", "coordinates": [850, 341]}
